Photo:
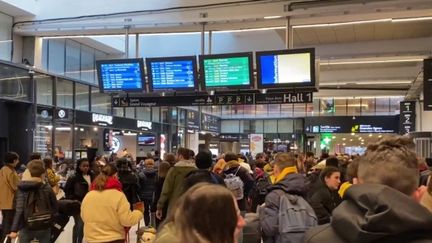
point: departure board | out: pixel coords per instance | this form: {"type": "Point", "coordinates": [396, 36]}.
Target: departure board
{"type": "Point", "coordinates": [285, 68]}
{"type": "Point", "coordinates": [226, 71]}
{"type": "Point", "coordinates": [174, 75]}
{"type": "Point", "coordinates": [120, 75]}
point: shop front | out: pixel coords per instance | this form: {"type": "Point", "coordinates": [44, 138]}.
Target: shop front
{"type": "Point", "coordinates": [105, 134]}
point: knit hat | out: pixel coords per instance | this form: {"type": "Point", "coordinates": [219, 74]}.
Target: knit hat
{"type": "Point", "coordinates": [203, 159]}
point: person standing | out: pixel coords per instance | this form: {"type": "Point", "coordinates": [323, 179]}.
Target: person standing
{"type": "Point", "coordinates": [105, 210]}
{"type": "Point", "coordinates": [36, 205]}
{"type": "Point", "coordinates": [148, 177]}
{"type": "Point", "coordinates": [173, 185]}
{"type": "Point", "coordinates": [8, 186]}
{"type": "Point", "coordinates": [77, 186]}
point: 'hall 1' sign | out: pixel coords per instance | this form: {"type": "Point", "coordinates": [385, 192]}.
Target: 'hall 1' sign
{"type": "Point", "coordinates": [220, 99]}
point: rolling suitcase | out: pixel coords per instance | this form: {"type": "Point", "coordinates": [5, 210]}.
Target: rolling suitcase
{"type": "Point", "coordinates": [60, 222]}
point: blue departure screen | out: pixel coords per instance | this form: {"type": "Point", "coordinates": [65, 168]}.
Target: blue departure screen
{"type": "Point", "coordinates": [173, 74]}
{"type": "Point", "coordinates": [121, 76]}
{"type": "Point", "coordinates": [285, 69]}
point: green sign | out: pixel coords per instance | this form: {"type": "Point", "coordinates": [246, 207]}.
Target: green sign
{"type": "Point", "coordinates": [231, 71]}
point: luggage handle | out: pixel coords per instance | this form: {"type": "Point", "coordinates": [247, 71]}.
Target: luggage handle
{"type": "Point", "coordinates": [7, 237]}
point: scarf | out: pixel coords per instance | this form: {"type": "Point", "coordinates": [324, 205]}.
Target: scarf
{"type": "Point", "coordinates": [231, 164]}
{"type": "Point", "coordinates": [111, 183]}
{"type": "Point", "coordinates": [286, 171]}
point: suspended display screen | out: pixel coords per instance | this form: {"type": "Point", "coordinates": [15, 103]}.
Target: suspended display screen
{"type": "Point", "coordinates": [172, 73]}
{"type": "Point", "coordinates": [286, 68]}
{"type": "Point", "coordinates": [226, 71]}
{"type": "Point", "coordinates": [121, 75]}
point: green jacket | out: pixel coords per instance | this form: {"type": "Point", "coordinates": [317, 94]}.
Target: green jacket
{"type": "Point", "coordinates": [167, 234]}
{"type": "Point", "coordinates": [173, 185]}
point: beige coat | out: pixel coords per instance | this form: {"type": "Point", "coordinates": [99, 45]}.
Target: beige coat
{"type": "Point", "coordinates": [105, 214]}
{"type": "Point", "coordinates": [8, 185]}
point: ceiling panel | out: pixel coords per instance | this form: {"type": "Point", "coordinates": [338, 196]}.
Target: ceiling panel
{"type": "Point", "coordinates": [383, 31]}
{"type": "Point", "coordinates": [344, 33]}
{"type": "Point", "coordinates": [307, 36]}
{"type": "Point", "coordinates": [364, 32]}
{"type": "Point", "coordinates": [325, 35]}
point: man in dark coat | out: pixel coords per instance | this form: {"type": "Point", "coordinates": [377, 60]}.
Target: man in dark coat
{"type": "Point", "coordinates": [383, 207]}
{"type": "Point", "coordinates": [287, 181]}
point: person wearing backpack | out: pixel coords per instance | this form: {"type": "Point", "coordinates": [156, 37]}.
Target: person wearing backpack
{"type": "Point", "coordinates": [237, 179]}
{"type": "Point", "coordinates": [203, 161]}
{"type": "Point", "coordinates": [285, 215]}
{"type": "Point", "coordinates": [36, 205]}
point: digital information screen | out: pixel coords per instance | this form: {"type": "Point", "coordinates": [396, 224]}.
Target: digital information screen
{"type": "Point", "coordinates": [230, 71]}
{"type": "Point", "coordinates": [172, 74]}
{"type": "Point", "coordinates": [121, 76]}
{"type": "Point", "coordinates": [285, 68]}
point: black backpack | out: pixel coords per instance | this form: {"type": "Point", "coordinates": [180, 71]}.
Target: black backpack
{"type": "Point", "coordinates": [38, 214]}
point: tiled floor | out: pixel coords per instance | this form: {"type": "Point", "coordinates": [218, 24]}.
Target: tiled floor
{"type": "Point", "coordinates": [66, 236]}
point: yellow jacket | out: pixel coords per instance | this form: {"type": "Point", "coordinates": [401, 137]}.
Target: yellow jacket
{"type": "Point", "coordinates": [105, 214]}
{"type": "Point", "coordinates": [8, 185]}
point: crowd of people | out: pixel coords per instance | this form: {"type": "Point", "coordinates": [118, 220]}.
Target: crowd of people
{"type": "Point", "coordinates": [381, 196]}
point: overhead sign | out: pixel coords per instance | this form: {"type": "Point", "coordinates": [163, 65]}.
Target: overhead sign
{"type": "Point", "coordinates": [192, 121]}
{"type": "Point", "coordinates": [349, 124]}
{"type": "Point", "coordinates": [144, 125]}
{"type": "Point", "coordinates": [102, 120]}
{"type": "Point", "coordinates": [203, 100]}
{"type": "Point", "coordinates": [210, 123]}
{"type": "Point", "coordinates": [407, 121]}
{"type": "Point", "coordinates": [427, 84]}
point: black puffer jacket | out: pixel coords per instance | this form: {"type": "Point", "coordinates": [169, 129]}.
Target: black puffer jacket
{"type": "Point", "coordinates": [77, 187]}
{"type": "Point", "coordinates": [24, 188]}
{"type": "Point", "coordinates": [248, 181]}
{"type": "Point", "coordinates": [147, 182]}
{"type": "Point", "coordinates": [375, 213]}
{"type": "Point", "coordinates": [324, 201]}
{"type": "Point", "coordinates": [130, 186]}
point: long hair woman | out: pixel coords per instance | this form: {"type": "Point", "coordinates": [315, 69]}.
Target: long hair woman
{"type": "Point", "coordinates": [206, 213]}
{"type": "Point", "coordinates": [77, 186]}
{"type": "Point", "coordinates": [105, 209]}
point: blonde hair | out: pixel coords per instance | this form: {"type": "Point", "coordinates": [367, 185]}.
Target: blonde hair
{"type": "Point", "coordinates": [101, 180]}
{"type": "Point", "coordinates": [149, 162]}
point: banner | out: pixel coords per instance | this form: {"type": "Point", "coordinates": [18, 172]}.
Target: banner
{"type": "Point", "coordinates": [407, 121]}
{"type": "Point", "coordinates": [256, 144]}
{"type": "Point", "coordinates": [427, 84]}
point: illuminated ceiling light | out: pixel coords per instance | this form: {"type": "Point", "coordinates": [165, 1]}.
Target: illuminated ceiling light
{"type": "Point", "coordinates": [81, 36]}
{"type": "Point", "coordinates": [370, 134]}
{"type": "Point", "coordinates": [360, 82]}
{"type": "Point", "coordinates": [380, 136]}
{"type": "Point", "coordinates": [324, 63]}
{"type": "Point", "coordinates": [343, 139]}
{"type": "Point", "coordinates": [334, 137]}
{"type": "Point", "coordinates": [247, 30]}
{"type": "Point", "coordinates": [341, 23]}
{"type": "Point", "coordinates": [351, 140]}
{"type": "Point", "coordinates": [411, 19]}
{"type": "Point", "coordinates": [272, 17]}
{"type": "Point", "coordinates": [95, 129]}
{"type": "Point", "coordinates": [343, 144]}
{"type": "Point", "coordinates": [352, 134]}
